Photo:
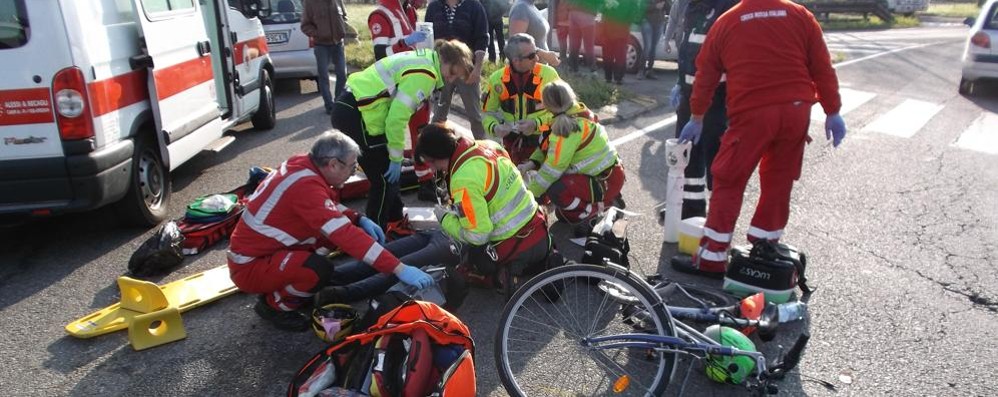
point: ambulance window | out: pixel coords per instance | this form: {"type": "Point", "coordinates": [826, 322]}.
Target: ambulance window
{"type": "Point", "coordinates": [14, 27]}
{"type": "Point", "coordinates": [157, 6]}
{"type": "Point", "coordinates": [283, 11]}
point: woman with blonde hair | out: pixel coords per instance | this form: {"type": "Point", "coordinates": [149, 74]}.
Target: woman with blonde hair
{"type": "Point", "coordinates": [576, 166]}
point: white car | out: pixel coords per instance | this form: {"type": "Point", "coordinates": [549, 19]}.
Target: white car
{"type": "Point", "coordinates": [980, 57]}
{"type": "Point", "coordinates": [635, 53]}
{"type": "Point", "coordinates": [290, 48]}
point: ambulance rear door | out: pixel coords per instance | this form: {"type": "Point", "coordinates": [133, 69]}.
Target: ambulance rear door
{"type": "Point", "coordinates": [181, 80]}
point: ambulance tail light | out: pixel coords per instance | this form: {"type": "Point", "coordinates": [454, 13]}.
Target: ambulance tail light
{"type": "Point", "coordinates": [72, 108]}
{"type": "Point", "coordinates": [981, 39]}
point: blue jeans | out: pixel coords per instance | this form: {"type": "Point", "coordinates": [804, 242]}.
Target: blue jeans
{"type": "Point", "coordinates": [324, 55]}
{"type": "Point", "coordinates": [361, 281]}
{"type": "Point", "coordinates": [651, 33]}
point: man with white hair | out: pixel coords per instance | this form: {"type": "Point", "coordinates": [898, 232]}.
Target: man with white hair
{"type": "Point", "coordinates": [278, 249]}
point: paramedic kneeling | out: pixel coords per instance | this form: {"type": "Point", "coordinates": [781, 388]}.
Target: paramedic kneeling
{"type": "Point", "coordinates": [292, 219]}
{"type": "Point", "coordinates": [492, 210]}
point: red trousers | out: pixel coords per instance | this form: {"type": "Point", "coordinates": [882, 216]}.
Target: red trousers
{"type": "Point", "coordinates": [416, 123]}
{"type": "Point", "coordinates": [772, 137]}
{"type": "Point", "coordinates": [580, 197]}
{"type": "Point", "coordinates": [283, 277]}
{"type": "Point", "coordinates": [520, 147]}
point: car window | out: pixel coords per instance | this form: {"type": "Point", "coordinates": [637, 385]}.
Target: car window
{"type": "Point", "coordinates": [991, 22]}
{"type": "Point", "coordinates": [283, 11]}
{"type": "Point", "coordinates": [14, 27]}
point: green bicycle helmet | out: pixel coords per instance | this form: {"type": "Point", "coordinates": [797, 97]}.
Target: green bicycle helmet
{"type": "Point", "coordinates": [725, 369]}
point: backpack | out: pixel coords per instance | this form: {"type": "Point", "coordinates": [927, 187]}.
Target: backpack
{"type": "Point", "coordinates": [608, 240]}
{"type": "Point", "coordinates": [158, 254]}
{"type": "Point", "coordinates": [775, 269]}
{"type": "Point", "coordinates": [418, 349]}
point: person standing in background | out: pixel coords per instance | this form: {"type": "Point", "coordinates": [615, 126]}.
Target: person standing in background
{"type": "Point", "coordinates": [777, 66]}
{"type": "Point", "coordinates": [393, 30]}
{"type": "Point", "coordinates": [464, 21]}
{"type": "Point", "coordinates": [323, 22]}
{"type": "Point", "coordinates": [618, 16]}
{"type": "Point", "coordinates": [494, 11]}
{"type": "Point", "coordinates": [562, 10]}
{"type": "Point", "coordinates": [651, 33]}
{"type": "Point", "coordinates": [582, 33]}
{"type": "Point", "coordinates": [524, 17]}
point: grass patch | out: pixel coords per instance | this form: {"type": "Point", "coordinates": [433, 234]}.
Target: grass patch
{"type": "Point", "coordinates": [857, 22]}
{"type": "Point", "coordinates": [594, 91]}
{"type": "Point", "coordinates": [961, 10]}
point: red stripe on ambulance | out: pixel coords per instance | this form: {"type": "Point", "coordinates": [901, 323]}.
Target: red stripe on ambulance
{"type": "Point", "coordinates": [111, 94]}
{"type": "Point", "coordinates": [26, 106]}
{"type": "Point", "coordinates": [250, 49]}
{"type": "Point", "coordinates": [182, 76]}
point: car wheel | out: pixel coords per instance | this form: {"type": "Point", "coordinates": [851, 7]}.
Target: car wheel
{"type": "Point", "coordinates": [635, 58]}
{"type": "Point", "coordinates": [148, 195]}
{"type": "Point", "coordinates": [966, 87]}
{"type": "Point", "coordinates": [265, 117]}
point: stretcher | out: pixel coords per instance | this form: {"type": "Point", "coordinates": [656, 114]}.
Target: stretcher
{"type": "Point", "coordinates": [151, 312]}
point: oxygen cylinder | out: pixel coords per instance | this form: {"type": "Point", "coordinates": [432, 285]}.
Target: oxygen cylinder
{"type": "Point", "coordinates": [677, 156]}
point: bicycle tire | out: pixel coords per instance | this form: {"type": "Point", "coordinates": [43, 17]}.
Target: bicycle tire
{"type": "Point", "coordinates": [523, 379]}
{"type": "Point", "coordinates": [714, 297]}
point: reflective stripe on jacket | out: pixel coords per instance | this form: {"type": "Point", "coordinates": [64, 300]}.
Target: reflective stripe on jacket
{"type": "Point", "coordinates": [505, 103]}
{"type": "Point", "coordinates": [294, 209]}
{"type": "Point", "coordinates": [391, 90]}
{"type": "Point", "coordinates": [491, 202]}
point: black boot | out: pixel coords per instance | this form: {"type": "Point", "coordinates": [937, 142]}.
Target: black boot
{"type": "Point", "coordinates": [293, 320]}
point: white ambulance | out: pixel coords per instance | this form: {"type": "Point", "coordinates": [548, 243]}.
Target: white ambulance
{"type": "Point", "coordinates": [101, 99]}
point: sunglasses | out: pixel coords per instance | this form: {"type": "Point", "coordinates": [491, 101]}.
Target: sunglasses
{"type": "Point", "coordinates": [531, 56]}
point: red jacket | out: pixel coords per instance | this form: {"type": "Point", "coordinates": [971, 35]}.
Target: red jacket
{"type": "Point", "coordinates": [390, 22]}
{"type": "Point", "coordinates": [294, 209]}
{"type": "Point", "coordinates": [773, 52]}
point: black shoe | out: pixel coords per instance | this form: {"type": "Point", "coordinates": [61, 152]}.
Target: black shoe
{"type": "Point", "coordinates": [427, 192]}
{"type": "Point", "coordinates": [584, 228]}
{"type": "Point", "coordinates": [650, 75]}
{"type": "Point", "coordinates": [684, 263]}
{"type": "Point", "coordinates": [619, 202]}
{"type": "Point", "coordinates": [287, 321]}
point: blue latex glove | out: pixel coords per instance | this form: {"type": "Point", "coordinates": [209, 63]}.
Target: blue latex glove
{"type": "Point", "coordinates": [394, 172]}
{"type": "Point", "coordinates": [691, 132]}
{"type": "Point", "coordinates": [835, 129]}
{"type": "Point", "coordinates": [675, 96]}
{"type": "Point", "coordinates": [414, 37]}
{"type": "Point", "coordinates": [372, 229]}
{"type": "Point", "coordinates": [414, 277]}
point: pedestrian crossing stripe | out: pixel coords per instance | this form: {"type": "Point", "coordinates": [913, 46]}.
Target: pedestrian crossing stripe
{"type": "Point", "coordinates": [978, 138]}
{"type": "Point", "coordinates": [851, 99]}
{"type": "Point", "coordinates": [906, 119]}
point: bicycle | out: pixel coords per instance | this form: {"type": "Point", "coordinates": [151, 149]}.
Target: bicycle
{"type": "Point", "coordinates": [562, 317]}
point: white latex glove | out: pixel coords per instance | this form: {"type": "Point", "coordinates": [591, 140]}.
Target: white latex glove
{"type": "Point", "coordinates": [525, 167]}
{"type": "Point", "coordinates": [501, 130]}
{"type": "Point", "coordinates": [526, 127]}
{"type": "Point", "coordinates": [439, 211]}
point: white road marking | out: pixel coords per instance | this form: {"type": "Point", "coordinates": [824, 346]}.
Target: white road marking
{"type": "Point", "coordinates": [634, 135]}
{"type": "Point", "coordinates": [851, 99]}
{"type": "Point", "coordinates": [905, 119]}
{"type": "Point", "coordinates": [981, 135]}
{"type": "Point", "coordinates": [869, 57]}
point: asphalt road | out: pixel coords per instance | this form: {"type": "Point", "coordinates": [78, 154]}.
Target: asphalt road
{"type": "Point", "coordinates": [899, 224]}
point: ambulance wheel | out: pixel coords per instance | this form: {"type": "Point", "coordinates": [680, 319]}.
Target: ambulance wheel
{"type": "Point", "coordinates": [266, 115]}
{"type": "Point", "coordinates": [148, 196]}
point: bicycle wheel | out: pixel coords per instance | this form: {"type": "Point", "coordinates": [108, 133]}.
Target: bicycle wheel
{"type": "Point", "coordinates": [537, 346]}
